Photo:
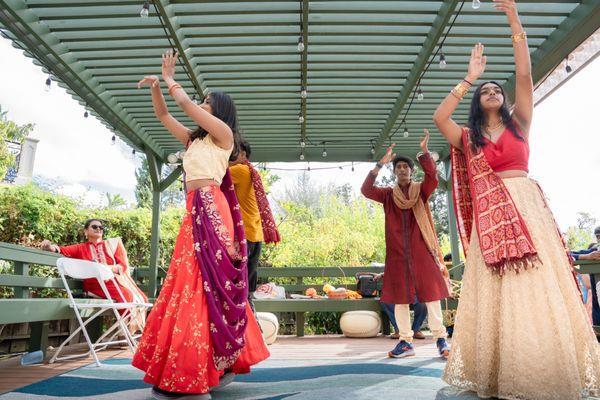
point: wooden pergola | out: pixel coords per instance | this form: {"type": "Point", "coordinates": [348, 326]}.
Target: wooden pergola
{"type": "Point", "coordinates": [362, 64]}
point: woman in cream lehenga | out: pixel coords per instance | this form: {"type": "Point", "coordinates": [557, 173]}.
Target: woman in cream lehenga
{"type": "Point", "coordinates": [521, 329]}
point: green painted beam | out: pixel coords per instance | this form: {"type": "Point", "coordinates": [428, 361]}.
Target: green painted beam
{"type": "Point", "coordinates": [20, 281]}
{"type": "Point", "coordinates": [40, 42]}
{"type": "Point", "coordinates": [581, 24]}
{"type": "Point", "coordinates": [430, 44]}
{"type": "Point", "coordinates": [174, 28]}
{"type": "Point", "coordinates": [165, 183]}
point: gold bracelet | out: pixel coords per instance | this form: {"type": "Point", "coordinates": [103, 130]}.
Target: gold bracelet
{"type": "Point", "coordinates": [173, 87]}
{"type": "Point", "coordinates": [460, 89]}
{"type": "Point", "coordinates": [453, 93]}
{"type": "Point", "coordinates": [516, 38]}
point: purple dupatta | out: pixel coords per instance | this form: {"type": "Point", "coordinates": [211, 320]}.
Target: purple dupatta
{"type": "Point", "coordinates": [223, 262]}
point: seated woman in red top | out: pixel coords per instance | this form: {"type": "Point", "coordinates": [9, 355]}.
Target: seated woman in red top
{"type": "Point", "coordinates": [107, 252]}
{"type": "Point", "coordinates": [521, 329]}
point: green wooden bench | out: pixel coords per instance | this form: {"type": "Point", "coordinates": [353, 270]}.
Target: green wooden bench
{"type": "Point", "coordinates": [302, 306]}
{"type": "Point", "coordinates": [37, 311]}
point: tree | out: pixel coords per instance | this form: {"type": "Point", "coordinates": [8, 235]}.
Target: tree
{"type": "Point", "coordinates": [115, 201]}
{"type": "Point", "coordinates": [143, 187]}
{"type": "Point", "coordinates": [10, 132]}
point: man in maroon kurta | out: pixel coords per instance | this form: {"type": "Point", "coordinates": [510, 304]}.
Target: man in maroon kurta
{"type": "Point", "coordinates": [412, 270]}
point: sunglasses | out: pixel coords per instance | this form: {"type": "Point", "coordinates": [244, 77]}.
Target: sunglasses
{"type": "Point", "coordinates": [97, 227]}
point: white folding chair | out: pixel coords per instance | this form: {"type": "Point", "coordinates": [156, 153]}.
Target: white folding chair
{"type": "Point", "coordinates": [81, 269]}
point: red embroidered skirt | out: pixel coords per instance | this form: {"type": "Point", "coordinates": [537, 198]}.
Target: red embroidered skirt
{"type": "Point", "coordinates": [175, 350]}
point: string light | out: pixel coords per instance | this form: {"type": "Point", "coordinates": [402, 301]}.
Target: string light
{"type": "Point", "coordinates": [352, 166]}
{"type": "Point", "coordinates": [300, 44]}
{"type": "Point", "coordinates": [373, 149]}
{"type": "Point", "coordinates": [300, 117]}
{"type": "Point", "coordinates": [324, 152]}
{"type": "Point", "coordinates": [86, 113]}
{"type": "Point", "coordinates": [302, 156]}
{"type": "Point", "coordinates": [113, 139]}
{"type": "Point", "coordinates": [476, 4]}
{"type": "Point", "coordinates": [48, 84]}
{"type": "Point", "coordinates": [302, 144]}
{"type": "Point", "coordinates": [145, 11]}
{"type": "Point", "coordinates": [568, 67]}
{"type": "Point", "coordinates": [420, 95]}
{"type": "Point", "coordinates": [194, 99]}
{"type": "Point", "coordinates": [133, 153]}
{"type": "Point", "coordinates": [406, 131]}
{"type": "Point", "coordinates": [303, 92]}
{"type": "Point", "coordinates": [442, 59]}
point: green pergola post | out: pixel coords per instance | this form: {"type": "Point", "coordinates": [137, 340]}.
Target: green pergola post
{"type": "Point", "coordinates": [452, 228]}
{"type": "Point", "coordinates": [155, 167]}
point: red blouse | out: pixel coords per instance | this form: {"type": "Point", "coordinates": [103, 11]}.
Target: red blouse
{"type": "Point", "coordinates": [508, 153]}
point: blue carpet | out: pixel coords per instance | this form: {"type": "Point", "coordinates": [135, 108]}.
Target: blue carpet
{"type": "Point", "coordinates": [416, 378]}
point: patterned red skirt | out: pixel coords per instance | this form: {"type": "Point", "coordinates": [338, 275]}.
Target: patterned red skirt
{"type": "Point", "coordinates": [175, 350]}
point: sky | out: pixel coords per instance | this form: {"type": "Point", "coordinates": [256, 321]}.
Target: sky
{"type": "Point", "coordinates": [77, 152]}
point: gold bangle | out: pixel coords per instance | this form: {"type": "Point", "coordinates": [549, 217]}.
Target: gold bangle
{"type": "Point", "coordinates": [173, 87]}
{"type": "Point", "coordinates": [453, 93]}
{"type": "Point", "coordinates": [461, 89]}
{"type": "Point", "coordinates": [516, 38]}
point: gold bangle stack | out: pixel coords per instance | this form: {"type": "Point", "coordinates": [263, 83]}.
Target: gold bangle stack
{"type": "Point", "coordinates": [517, 37]}
{"type": "Point", "coordinates": [460, 90]}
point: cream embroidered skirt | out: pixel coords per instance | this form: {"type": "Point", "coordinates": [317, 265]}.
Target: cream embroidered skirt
{"type": "Point", "coordinates": [525, 335]}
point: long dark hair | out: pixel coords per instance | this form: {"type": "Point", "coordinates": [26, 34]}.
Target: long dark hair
{"type": "Point", "coordinates": [477, 118]}
{"type": "Point", "coordinates": [223, 108]}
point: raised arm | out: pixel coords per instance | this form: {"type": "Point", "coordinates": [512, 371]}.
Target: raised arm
{"type": "Point", "coordinates": [523, 110]}
{"type": "Point", "coordinates": [219, 131]}
{"type": "Point", "coordinates": [368, 189]}
{"type": "Point", "coordinates": [161, 110]}
{"type": "Point", "coordinates": [430, 180]}
{"type": "Point", "coordinates": [442, 117]}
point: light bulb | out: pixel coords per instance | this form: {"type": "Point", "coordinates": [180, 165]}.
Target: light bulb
{"type": "Point", "coordinates": [145, 11]}
{"type": "Point", "coordinates": [300, 118]}
{"type": "Point", "coordinates": [420, 95]}
{"type": "Point", "coordinates": [324, 153]}
{"type": "Point", "coordinates": [442, 60]}
{"type": "Point", "coordinates": [302, 144]}
{"type": "Point", "coordinates": [113, 139]}
{"type": "Point", "coordinates": [172, 158]}
{"type": "Point", "coordinates": [373, 150]}
{"type": "Point", "coordinates": [476, 4]}
{"type": "Point", "coordinates": [86, 114]}
{"type": "Point", "coordinates": [405, 132]}
{"type": "Point", "coordinates": [303, 93]}
{"type": "Point", "coordinates": [48, 84]}
{"type": "Point", "coordinates": [568, 69]}
{"type": "Point", "coordinates": [300, 44]}
{"type": "Point", "coordinates": [301, 156]}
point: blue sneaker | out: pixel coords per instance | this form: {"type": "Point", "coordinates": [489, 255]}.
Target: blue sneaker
{"type": "Point", "coordinates": [443, 347]}
{"type": "Point", "coordinates": [402, 349]}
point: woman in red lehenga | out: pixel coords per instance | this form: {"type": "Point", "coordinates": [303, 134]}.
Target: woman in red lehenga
{"type": "Point", "coordinates": [521, 329]}
{"type": "Point", "coordinates": [201, 330]}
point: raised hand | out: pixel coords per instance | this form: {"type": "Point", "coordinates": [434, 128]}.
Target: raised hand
{"type": "Point", "coordinates": [508, 7]}
{"type": "Point", "coordinates": [169, 60]}
{"type": "Point", "coordinates": [388, 156]}
{"type": "Point", "coordinates": [424, 141]}
{"type": "Point", "coordinates": [150, 80]}
{"type": "Point", "coordinates": [477, 63]}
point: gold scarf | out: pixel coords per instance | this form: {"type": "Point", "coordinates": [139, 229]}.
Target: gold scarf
{"type": "Point", "coordinates": [423, 217]}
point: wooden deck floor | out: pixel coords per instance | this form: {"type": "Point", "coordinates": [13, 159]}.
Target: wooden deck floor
{"type": "Point", "coordinates": [320, 348]}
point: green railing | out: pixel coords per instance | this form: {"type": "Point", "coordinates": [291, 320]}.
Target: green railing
{"type": "Point", "coordinates": [39, 311]}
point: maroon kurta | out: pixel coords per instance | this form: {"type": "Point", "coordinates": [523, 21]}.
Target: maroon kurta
{"type": "Point", "coordinates": [410, 269]}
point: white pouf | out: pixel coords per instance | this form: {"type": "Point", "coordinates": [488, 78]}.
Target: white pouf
{"type": "Point", "coordinates": [269, 324]}
{"type": "Point", "coordinates": [360, 324]}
